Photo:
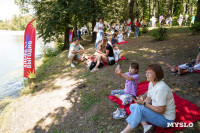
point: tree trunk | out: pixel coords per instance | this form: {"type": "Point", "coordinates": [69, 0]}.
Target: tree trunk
{"type": "Point", "coordinates": [143, 2]}
{"type": "Point", "coordinates": [93, 33]}
{"type": "Point", "coordinates": [154, 8]}
{"type": "Point", "coordinates": [75, 30]}
{"type": "Point", "coordinates": [66, 36]}
{"type": "Point", "coordinates": [149, 9]}
{"type": "Point", "coordinates": [170, 8]}
{"type": "Point", "coordinates": [131, 5]}
{"type": "Point", "coordinates": [88, 28]}
{"type": "Point", "coordinates": [158, 8]}
{"type": "Point", "coordinates": [191, 7]}
{"type": "Point", "coordinates": [198, 12]}
{"type": "Point", "coordinates": [184, 7]}
{"type": "Point", "coordinates": [137, 9]}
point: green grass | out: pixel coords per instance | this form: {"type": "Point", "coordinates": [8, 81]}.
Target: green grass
{"type": "Point", "coordinates": [88, 100]}
{"type": "Point", "coordinates": [91, 102]}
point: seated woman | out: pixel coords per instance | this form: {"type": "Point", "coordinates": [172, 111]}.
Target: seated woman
{"type": "Point", "coordinates": [162, 110]}
{"type": "Point", "coordinates": [104, 53]}
{"type": "Point", "coordinates": [194, 65]}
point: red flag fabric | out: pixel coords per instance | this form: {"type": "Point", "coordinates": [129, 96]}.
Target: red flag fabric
{"type": "Point", "coordinates": [186, 112]}
{"type": "Point", "coordinates": [29, 50]}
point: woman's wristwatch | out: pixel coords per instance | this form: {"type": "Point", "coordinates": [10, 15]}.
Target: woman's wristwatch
{"type": "Point", "coordinates": [144, 103]}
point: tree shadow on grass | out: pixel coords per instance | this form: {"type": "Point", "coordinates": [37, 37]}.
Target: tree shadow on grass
{"type": "Point", "coordinates": [92, 110]}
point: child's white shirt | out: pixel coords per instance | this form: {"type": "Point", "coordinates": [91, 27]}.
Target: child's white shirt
{"type": "Point", "coordinates": [117, 54]}
{"type": "Point", "coordinates": [120, 37]}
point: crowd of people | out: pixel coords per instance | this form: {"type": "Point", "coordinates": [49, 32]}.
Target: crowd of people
{"type": "Point", "coordinates": [157, 106]}
{"type": "Point", "coordinates": [168, 20]}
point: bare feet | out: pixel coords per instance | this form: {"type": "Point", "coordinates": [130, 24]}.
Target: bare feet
{"type": "Point", "coordinates": [172, 69]}
{"type": "Point", "coordinates": [180, 72]}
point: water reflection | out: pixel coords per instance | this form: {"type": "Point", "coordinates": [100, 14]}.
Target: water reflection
{"type": "Point", "coordinates": [11, 62]}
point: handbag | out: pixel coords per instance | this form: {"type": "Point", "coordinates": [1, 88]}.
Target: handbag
{"type": "Point", "coordinates": [96, 27]}
{"type": "Point", "coordinates": [111, 60]}
{"type": "Point", "coordinates": [93, 64]}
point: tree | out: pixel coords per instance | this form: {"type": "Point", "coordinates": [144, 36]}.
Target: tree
{"type": "Point", "coordinates": [131, 5]}
{"type": "Point", "coordinates": [198, 12]}
{"type": "Point", "coordinates": [154, 8]}
{"type": "Point", "coordinates": [170, 8]}
{"type": "Point", "coordinates": [149, 9]}
{"type": "Point", "coordinates": [53, 19]}
{"type": "Point", "coordinates": [190, 9]}
{"type": "Point", "coordinates": [137, 9]}
{"type": "Point", "coordinates": [144, 8]}
{"type": "Point", "coordinates": [24, 5]}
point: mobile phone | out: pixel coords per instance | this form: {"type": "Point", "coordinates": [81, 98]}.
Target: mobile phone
{"type": "Point", "coordinates": [134, 97]}
{"type": "Point", "coordinates": [118, 66]}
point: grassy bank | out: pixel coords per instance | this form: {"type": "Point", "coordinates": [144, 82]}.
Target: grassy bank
{"type": "Point", "coordinates": [81, 96]}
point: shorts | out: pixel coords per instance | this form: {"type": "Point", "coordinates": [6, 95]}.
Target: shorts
{"type": "Point", "coordinates": [126, 98]}
{"type": "Point", "coordinates": [183, 66]}
{"type": "Point", "coordinates": [77, 56]}
{"type": "Point", "coordinates": [197, 67]}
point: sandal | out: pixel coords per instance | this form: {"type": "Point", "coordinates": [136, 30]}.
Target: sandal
{"type": "Point", "coordinates": [94, 69]}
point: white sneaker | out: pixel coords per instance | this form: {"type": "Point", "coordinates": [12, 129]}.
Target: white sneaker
{"type": "Point", "coordinates": [72, 65]}
{"type": "Point", "coordinates": [117, 111]}
{"type": "Point", "coordinates": [148, 128]}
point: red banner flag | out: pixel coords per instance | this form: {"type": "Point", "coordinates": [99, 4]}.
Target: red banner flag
{"type": "Point", "coordinates": [70, 36]}
{"type": "Point", "coordinates": [29, 50]}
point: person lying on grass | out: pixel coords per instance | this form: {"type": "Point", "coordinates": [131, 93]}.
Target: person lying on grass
{"type": "Point", "coordinates": [192, 66]}
{"type": "Point", "coordinates": [74, 52]}
{"type": "Point", "coordinates": [161, 111]}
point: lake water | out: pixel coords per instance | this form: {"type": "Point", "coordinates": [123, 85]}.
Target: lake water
{"type": "Point", "coordinates": [11, 62]}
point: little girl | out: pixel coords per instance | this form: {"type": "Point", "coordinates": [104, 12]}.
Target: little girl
{"type": "Point", "coordinates": [127, 94]}
{"type": "Point", "coordinates": [120, 36]}
{"type": "Point", "coordinates": [116, 52]}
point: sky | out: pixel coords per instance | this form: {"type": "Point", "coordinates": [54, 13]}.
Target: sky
{"type": "Point", "coordinates": [8, 9]}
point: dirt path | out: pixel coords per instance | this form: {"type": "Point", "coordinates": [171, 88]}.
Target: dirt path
{"type": "Point", "coordinates": [63, 99]}
{"type": "Point", "coordinates": [29, 110]}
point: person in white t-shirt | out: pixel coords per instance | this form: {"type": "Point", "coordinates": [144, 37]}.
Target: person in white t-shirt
{"type": "Point", "coordinates": [180, 20]}
{"type": "Point", "coordinates": [186, 18]}
{"type": "Point", "coordinates": [153, 21]}
{"type": "Point", "coordinates": [74, 52]}
{"type": "Point", "coordinates": [99, 33]}
{"type": "Point", "coordinates": [158, 108]}
{"type": "Point", "coordinates": [120, 36]}
{"type": "Point", "coordinates": [116, 51]}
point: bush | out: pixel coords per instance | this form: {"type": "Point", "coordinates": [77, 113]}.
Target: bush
{"type": "Point", "coordinates": [60, 43]}
{"type": "Point", "coordinates": [143, 30]}
{"type": "Point", "coordinates": [160, 34]}
{"type": "Point", "coordinates": [50, 52]}
{"type": "Point", "coordinates": [195, 28]}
